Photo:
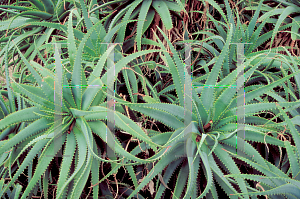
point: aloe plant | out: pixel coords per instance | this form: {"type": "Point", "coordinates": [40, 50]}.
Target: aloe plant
{"type": "Point", "coordinates": [287, 175]}
{"type": "Point", "coordinates": [288, 14]}
{"type": "Point", "coordinates": [253, 34]}
{"type": "Point", "coordinates": [275, 181]}
{"type": "Point", "coordinates": [202, 150]}
{"type": "Point", "coordinates": [145, 9]}
{"type": "Point", "coordinates": [28, 30]}
{"type": "Point", "coordinates": [209, 147]}
{"type": "Point", "coordinates": [48, 10]}
{"type": "Point", "coordinates": [83, 113]}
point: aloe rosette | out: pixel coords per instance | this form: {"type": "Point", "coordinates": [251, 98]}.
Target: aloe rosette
{"type": "Point", "coordinates": [211, 148]}
{"type": "Point", "coordinates": [83, 112]}
{"type": "Point", "coordinates": [54, 11]}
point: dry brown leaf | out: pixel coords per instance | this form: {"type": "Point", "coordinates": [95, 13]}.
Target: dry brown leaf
{"type": "Point", "coordinates": [162, 181]}
{"type": "Point", "coordinates": [111, 103]}
{"type": "Point", "coordinates": [151, 187]}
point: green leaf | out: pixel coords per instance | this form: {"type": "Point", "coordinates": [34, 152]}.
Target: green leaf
{"type": "Point", "coordinates": [48, 6]}
{"type": "Point", "coordinates": [38, 4]}
{"type": "Point", "coordinates": [207, 92]}
{"type": "Point", "coordinates": [66, 162]}
{"type": "Point", "coordinates": [35, 127]}
{"type": "Point", "coordinates": [183, 176]}
{"type": "Point", "coordinates": [90, 93]}
{"type": "Point", "coordinates": [71, 40]}
{"type": "Point", "coordinates": [140, 24]}
{"type": "Point", "coordinates": [32, 14]}
{"type": "Point", "coordinates": [163, 10]}
{"type": "Point", "coordinates": [295, 28]}
{"type": "Point", "coordinates": [294, 161]}
{"type": "Point", "coordinates": [44, 161]}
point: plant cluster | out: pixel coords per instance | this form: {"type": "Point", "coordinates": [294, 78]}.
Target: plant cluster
{"type": "Point", "coordinates": [179, 74]}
